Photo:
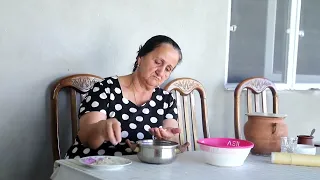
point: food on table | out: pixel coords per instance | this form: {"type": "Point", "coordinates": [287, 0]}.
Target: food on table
{"type": "Point", "coordinates": [100, 161]}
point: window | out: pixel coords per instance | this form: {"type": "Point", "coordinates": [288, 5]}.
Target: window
{"type": "Point", "coordinates": [276, 39]}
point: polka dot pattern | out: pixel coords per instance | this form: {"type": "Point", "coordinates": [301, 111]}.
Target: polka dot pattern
{"type": "Point", "coordinates": [103, 96]}
{"type": "Point", "coordinates": [82, 109]}
{"type": "Point", "coordinates": [95, 104]}
{"type": "Point", "coordinates": [103, 111]}
{"type": "Point", "coordinates": [88, 98]}
{"type": "Point", "coordinates": [135, 121]}
{"type": "Point", "coordinates": [146, 127]}
{"type": "Point", "coordinates": [169, 116]}
{"type": "Point", "coordinates": [76, 143]}
{"type": "Point", "coordinates": [109, 81]}
{"type": "Point", "coordinates": [159, 97]}
{"type": "Point", "coordinates": [117, 90]}
{"type": "Point", "coordinates": [125, 117]}
{"type": "Point", "coordinates": [101, 152]}
{"type": "Point", "coordinates": [107, 90]}
{"type": "Point", "coordinates": [152, 103]}
{"type": "Point", "coordinates": [124, 134]}
{"type": "Point", "coordinates": [145, 111]}
{"type": "Point", "coordinates": [175, 110]}
{"type": "Point", "coordinates": [112, 114]}
{"type": "Point", "coordinates": [118, 107]}
{"type": "Point", "coordinates": [124, 100]}
{"type": "Point", "coordinates": [140, 135]}
{"type": "Point", "coordinates": [165, 105]}
{"type": "Point", "coordinates": [171, 103]}
{"type": "Point", "coordinates": [133, 110]}
{"type": "Point", "coordinates": [132, 126]}
{"type": "Point", "coordinates": [96, 89]}
{"type": "Point", "coordinates": [153, 119]}
{"type": "Point", "coordinates": [112, 97]}
{"type": "Point", "coordinates": [86, 151]}
{"type": "Point", "coordinates": [160, 111]}
{"type": "Point", "coordinates": [139, 118]}
{"type": "Point", "coordinates": [129, 150]}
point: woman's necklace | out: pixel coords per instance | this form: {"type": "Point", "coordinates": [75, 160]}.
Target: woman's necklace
{"type": "Point", "coordinates": [134, 89]}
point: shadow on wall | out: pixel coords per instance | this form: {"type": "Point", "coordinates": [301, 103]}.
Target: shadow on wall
{"type": "Point", "coordinates": [43, 163]}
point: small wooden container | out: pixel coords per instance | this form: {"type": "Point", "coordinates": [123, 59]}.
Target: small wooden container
{"type": "Point", "coordinates": [305, 139]}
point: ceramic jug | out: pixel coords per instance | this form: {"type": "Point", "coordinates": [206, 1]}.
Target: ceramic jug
{"type": "Point", "coordinates": [265, 131]}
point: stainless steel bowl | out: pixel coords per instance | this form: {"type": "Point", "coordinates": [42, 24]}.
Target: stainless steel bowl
{"type": "Point", "coordinates": [157, 151]}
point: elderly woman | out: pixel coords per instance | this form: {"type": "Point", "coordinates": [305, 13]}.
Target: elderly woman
{"type": "Point", "coordinates": [124, 109]}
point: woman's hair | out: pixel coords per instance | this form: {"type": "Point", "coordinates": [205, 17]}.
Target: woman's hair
{"type": "Point", "coordinates": [152, 44]}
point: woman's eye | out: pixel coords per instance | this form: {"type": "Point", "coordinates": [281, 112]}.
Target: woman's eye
{"type": "Point", "coordinates": [158, 62]}
{"type": "Point", "coordinates": [168, 69]}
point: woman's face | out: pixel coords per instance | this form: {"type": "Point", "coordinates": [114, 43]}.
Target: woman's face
{"type": "Point", "coordinates": [156, 66]}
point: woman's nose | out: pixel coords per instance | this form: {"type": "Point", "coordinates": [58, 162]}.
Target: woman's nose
{"type": "Point", "coordinates": [160, 71]}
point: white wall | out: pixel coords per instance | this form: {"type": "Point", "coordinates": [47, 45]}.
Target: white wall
{"type": "Point", "coordinates": [42, 40]}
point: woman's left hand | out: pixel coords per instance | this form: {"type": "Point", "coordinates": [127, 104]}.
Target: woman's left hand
{"type": "Point", "coordinates": [164, 133]}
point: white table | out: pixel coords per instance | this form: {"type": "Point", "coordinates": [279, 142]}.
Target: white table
{"type": "Point", "coordinates": [188, 165]}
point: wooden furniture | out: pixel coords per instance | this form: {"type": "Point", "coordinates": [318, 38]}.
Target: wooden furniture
{"type": "Point", "coordinates": [183, 89]}
{"type": "Point", "coordinates": [255, 87]}
{"type": "Point", "coordinates": [79, 83]}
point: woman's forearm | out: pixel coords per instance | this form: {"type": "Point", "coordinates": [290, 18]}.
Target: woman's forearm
{"type": "Point", "coordinates": [95, 137]}
{"type": "Point", "coordinates": [90, 131]}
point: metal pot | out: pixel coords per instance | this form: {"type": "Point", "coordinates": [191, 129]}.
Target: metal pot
{"type": "Point", "coordinates": [157, 151]}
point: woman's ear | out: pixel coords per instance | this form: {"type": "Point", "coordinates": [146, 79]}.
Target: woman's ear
{"type": "Point", "coordinates": [139, 61]}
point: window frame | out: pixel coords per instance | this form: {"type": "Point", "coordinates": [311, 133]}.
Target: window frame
{"type": "Point", "coordinates": [294, 33]}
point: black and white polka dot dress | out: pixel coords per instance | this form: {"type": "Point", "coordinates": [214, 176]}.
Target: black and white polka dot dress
{"type": "Point", "coordinates": [106, 97]}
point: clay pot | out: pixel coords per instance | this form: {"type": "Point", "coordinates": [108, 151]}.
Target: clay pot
{"type": "Point", "coordinates": [265, 131]}
{"type": "Point", "coordinates": [305, 139]}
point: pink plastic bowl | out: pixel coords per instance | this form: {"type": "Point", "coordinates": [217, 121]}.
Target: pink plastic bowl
{"type": "Point", "coordinates": [225, 151]}
{"type": "Point", "coordinates": [226, 143]}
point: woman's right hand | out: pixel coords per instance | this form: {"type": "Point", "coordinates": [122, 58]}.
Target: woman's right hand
{"type": "Point", "coordinates": [110, 129]}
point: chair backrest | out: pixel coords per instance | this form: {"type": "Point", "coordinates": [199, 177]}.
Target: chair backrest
{"type": "Point", "coordinates": [183, 89]}
{"type": "Point", "coordinates": [255, 87]}
{"type": "Point", "coordinates": [79, 83]}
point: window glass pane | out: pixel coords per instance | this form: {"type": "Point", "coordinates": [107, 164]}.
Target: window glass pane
{"type": "Point", "coordinates": [281, 37]}
{"type": "Point", "coordinates": [308, 62]}
{"type": "Point", "coordinates": [258, 45]}
{"type": "Point", "coordinates": [246, 54]}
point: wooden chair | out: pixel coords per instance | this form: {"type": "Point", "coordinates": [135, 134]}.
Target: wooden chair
{"type": "Point", "coordinates": [79, 83]}
{"type": "Point", "coordinates": [183, 89]}
{"type": "Point", "coordinates": [255, 87]}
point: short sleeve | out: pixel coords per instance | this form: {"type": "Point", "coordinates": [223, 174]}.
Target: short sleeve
{"type": "Point", "coordinates": [172, 111]}
{"type": "Point", "coordinates": [96, 100]}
